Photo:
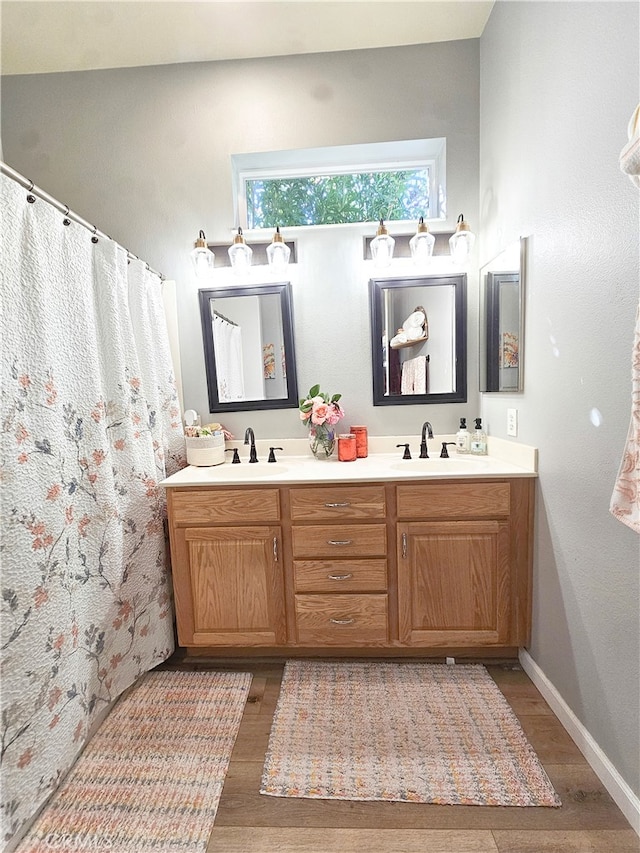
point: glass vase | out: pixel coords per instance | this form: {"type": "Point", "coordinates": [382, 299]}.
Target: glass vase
{"type": "Point", "coordinates": [322, 441]}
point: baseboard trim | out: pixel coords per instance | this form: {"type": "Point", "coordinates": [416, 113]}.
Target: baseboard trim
{"type": "Point", "coordinates": [623, 796]}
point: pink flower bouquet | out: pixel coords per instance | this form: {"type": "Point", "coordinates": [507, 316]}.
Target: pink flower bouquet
{"type": "Point", "coordinates": [319, 409]}
{"type": "Point", "coordinates": [321, 413]}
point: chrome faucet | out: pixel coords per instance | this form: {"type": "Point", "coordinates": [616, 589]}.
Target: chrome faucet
{"type": "Point", "coordinates": [248, 435]}
{"type": "Point", "coordinates": [423, 444]}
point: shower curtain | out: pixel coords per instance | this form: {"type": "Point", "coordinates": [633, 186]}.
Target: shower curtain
{"type": "Point", "coordinates": [90, 425]}
{"type": "Point", "coordinates": [227, 346]}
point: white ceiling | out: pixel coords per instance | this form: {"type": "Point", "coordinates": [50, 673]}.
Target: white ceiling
{"type": "Point", "coordinates": [58, 35]}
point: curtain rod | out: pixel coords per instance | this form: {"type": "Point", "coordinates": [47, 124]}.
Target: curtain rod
{"type": "Point", "coordinates": [222, 317]}
{"type": "Point", "coordinates": [63, 208]}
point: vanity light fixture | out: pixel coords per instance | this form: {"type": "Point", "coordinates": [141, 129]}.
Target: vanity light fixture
{"type": "Point", "coordinates": [202, 258]}
{"type": "Point", "coordinates": [461, 242]}
{"type": "Point", "coordinates": [421, 244]}
{"type": "Point", "coordinates": [240, 254]}
{"type": "Point", "coordinates": [382, 246]}
{"type": "Point", "coordinates": [278, 254]}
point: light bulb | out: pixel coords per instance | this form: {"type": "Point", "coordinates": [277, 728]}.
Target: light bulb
{"type": "Point", "coordinates": [240, 254]}
{"type": "Point", "coordinates": [461, 243]}
{"type": "Point", "coordinates": [382, 247]}
{"type": "Point", "coordinates": [202, 258]}
{"type": "Point", "coordinates": [421, 244]}
{"type": "Point", "coordinates": [278, 254]}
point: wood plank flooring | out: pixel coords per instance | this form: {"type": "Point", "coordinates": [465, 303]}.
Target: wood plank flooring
{"type": "Point", "coordinates": [248, 822]}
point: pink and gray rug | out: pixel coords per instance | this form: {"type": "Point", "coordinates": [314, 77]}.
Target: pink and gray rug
{"type": "Point", "coordinates": [152, 776]}
{"type": "Point", "coordinates": [409, 732]}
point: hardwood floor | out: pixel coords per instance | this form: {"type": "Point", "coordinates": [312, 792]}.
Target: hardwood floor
{"type": "Point", "coordinates": [248, 822]}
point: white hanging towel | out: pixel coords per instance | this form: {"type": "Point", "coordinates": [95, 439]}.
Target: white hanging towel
{"type": "Point", "coordinates": [625, 501]}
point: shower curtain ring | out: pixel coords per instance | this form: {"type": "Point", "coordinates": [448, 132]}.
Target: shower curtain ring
{"type": "Point", "coordinates": [94, 239]}
{"type": "Point", "coordinates": [66, 220]}
{"type": "Point", "coordinates": [30, 198]}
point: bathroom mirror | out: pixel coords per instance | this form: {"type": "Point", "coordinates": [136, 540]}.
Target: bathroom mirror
{"type": "Point", "coordinates": [419, 339]}
{"type": "Point", "coordinates": [502, 320]}
{"type": "Point", "coordinates": [248, 347]}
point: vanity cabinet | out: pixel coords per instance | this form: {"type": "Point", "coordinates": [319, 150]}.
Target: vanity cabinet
{"type": "Point", "coordinates": [226, 547]}
{"type": "Point", "coordinates": [393, 567]}
{"type": "Point", "coordinates": [463, 563]}
{"type": "Point", "coordinates": [339, 550]}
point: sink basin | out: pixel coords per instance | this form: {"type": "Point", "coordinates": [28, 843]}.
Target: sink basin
{"type": "Point", "coordinates": [437, 465]}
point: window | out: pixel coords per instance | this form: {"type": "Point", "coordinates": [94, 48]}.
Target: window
{"type": "Point", "coordinates": [394, 181]}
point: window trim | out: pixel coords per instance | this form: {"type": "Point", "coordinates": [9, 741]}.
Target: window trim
{"type": "Point", "coordinates": [342, 159]}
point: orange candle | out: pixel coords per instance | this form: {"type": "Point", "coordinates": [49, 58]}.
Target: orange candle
{"type": "Point", "coordinates": [347, 447]}
{"type": "Point", "coordinates": [362, 441]}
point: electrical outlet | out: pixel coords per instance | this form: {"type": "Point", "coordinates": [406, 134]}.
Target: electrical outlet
{"type": "Point", "coordinates": [512, 422]}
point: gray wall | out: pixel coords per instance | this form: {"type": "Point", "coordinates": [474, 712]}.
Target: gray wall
{"type": "Point", "coordinates": [145, 154]}
{"type": "Point", "coordinates": [559, 82]}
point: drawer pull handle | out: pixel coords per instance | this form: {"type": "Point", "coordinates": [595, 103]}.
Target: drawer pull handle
{"type": "Point", "coordinates": [346, 503]}
{"type": "Point", "coordinates": [275, 549]}
{"type": "Point", "coordinates": [342, 621]}
{"type": "Point", "coordinates": [340, 577]}
{"type": "Point", "coordinates": [339, 541]}
{"type": "Point", "coordinates": [404, 546]}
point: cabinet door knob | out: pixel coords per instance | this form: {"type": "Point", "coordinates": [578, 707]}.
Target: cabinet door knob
{"type": "Point", "coordinates": [341, 621]}
{"type": "Point", "coordinates": [339, 541]}
{"type": "Point", "coordinates": [340, 577]}
{"type": "Point", "coordinates": [345, 503]}
{"type": "Point", "coordinates": [275, 549]}
{"type": "Point", "coordinates": [404, 546]}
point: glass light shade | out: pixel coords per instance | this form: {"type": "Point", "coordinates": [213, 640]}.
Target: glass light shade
{"type": "Point", "coordinates": [461, 243]}
{"type": "Point", "coordinates": [421, 244]}
{"type": "Point", "coordinates": [202, 258]}
{"type": "Point", "coordinates": [240, 254]}
{"type": "Point", "coordinates": [278, 254]}
{"type": "Point", "coordinates": [382, 247]}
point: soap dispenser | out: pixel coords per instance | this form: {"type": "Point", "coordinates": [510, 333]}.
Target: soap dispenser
{"type": "Point", "coordinates": [463, 437]}
{"type": "Point", "coordinates": [479, 440]}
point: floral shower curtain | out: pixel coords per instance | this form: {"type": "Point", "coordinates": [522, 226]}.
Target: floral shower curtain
{"type": "Point", "coordinates": [90, 425]}
{"type": "Point", "coordinates": [227, 345]}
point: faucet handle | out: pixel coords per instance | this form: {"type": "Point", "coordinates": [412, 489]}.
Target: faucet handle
{"type": "Point", "coordinates": [272, 456]}
{"type": "Point", "coordinates": [444, 453]}
{"type": "Point", "coordinates": [236, 457]}
{"type": "Point", "coordinates": [407, 452]}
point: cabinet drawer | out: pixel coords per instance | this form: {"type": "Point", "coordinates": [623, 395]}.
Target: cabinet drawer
{"type": "Point", "coordinates": [340, 540]}
{"type": "Point", "coordinates": [340, 575]}
{"type": "Point", "coordinates": [341, 620]}
{"type": "Point", "coordinates": [457, 500]}
{"type": "Point", "coordinates": [222, 506]}
{"type": "Point", "coordinates": [337, 502]}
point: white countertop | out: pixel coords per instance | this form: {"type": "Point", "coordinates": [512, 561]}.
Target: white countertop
{"type": "Point", "coordinates": [295, 464]}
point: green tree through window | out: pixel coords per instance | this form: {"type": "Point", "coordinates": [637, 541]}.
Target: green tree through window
{"type": "Point", "coordinates": [337, 199]}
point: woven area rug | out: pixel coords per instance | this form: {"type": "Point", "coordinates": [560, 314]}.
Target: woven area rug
{"type": "Point", "coordinates": [152, 776]}
{"type": "Point", "coordinates": [421, 733]}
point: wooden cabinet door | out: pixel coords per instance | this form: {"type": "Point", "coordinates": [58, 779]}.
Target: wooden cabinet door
{"type": "Point", "coordinates": [235, 582]}
{"type": "Point", "coordinates": [454, 583]}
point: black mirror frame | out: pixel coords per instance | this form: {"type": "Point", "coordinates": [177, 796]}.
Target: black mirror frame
{"type": "Point", "coordinates": [489, 337]}
{"type": "Point", "coordinates": [376, 286]}
{"type": "Point", "coordinates": [494, 281]}
{"type": "Point", "coordinates": [286, 308]}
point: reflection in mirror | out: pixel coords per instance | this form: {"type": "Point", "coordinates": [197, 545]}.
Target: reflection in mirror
{"type": "Point", "coordinates": [419, 339]}
{"type": "Point", "coordinates": [502, 321]}
{"type": "Point", "coordinates": [248, 347]}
